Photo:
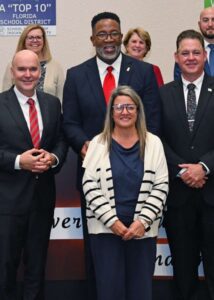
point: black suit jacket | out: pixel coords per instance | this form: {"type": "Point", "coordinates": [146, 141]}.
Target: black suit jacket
{"type": "Point", "coordinates": [18, 187]}
{"type": "Point", "coordinates": [183, 147]}
{"type": "Point", "coordinates": [84, 106]}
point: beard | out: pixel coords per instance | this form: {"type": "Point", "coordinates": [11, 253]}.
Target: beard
{"type": "Point", "coordinates": [208, 36]}
{"type": "Point", "coordinates": [108, 58]}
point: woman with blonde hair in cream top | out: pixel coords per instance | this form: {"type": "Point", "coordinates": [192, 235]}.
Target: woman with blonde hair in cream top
{"type": "Point", "coordinates": [125, 186]}
{"type": "Point", "coordinates": [52, 78]}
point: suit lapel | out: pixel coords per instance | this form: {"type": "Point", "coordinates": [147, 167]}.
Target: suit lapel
{"type": "Point", "coordinates": [126, 70]}
{"type": "Point", "coordinates": [207, 90]}
{"type": "Point", "coordinates": [207, 68]}
{"type": "Point", "coordinates": [16, 112]}
{"type": "Point", "coordinates": [179, 102]}
{"type": "Point", "coordinates": [92, 74]}
{"type": "Point", "coordinates": [45, 116]}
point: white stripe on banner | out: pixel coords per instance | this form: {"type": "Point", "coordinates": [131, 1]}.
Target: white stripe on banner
{"type": "Point", "coordinates": [68, 225]}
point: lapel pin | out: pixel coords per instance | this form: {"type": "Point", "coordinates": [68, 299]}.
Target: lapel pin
{"type": "Point", "coordinates": [210, 90]}
{"type": "Point", "coordinates": [128, 69]}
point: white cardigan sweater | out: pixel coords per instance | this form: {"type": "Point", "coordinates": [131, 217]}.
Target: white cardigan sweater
{"type": "Point", "coordinates": [99, 191]}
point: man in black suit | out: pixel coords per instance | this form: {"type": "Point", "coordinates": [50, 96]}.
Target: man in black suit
{"type": "Point", "coordinates": [188, 126]}
{"type": "Point", "coordinates": [84, 105]}
{"type": "Point", "coordinates": [27, 187]}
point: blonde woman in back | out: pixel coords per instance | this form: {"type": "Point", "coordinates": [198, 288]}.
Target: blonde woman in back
{"type": "Point", "coordinates": [52, 78]}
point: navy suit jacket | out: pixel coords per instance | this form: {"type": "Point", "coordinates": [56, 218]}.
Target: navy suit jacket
{"type": "Point", "coordinates": [183, 147]}
{"type": "Point", "coordinates": [19, 187]}
{"type": "Point", "coordinates": [84, 105]}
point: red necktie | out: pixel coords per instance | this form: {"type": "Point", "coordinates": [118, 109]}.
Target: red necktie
{"type": "Point", "coordinates": [109, 83]}
{"type": "Point", "coordinates": [34, 124]}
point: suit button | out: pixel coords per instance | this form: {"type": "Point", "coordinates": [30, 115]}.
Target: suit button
{"type": "Point", "coordinates": [192, 147]}
{"type": "Point", "coordinates": [37, 177]}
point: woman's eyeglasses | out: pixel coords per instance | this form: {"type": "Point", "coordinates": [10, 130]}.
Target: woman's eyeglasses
{"type": "Point", "coordinates": [32, 38]}
{"type": "Point", "coordinates": [131, 108]}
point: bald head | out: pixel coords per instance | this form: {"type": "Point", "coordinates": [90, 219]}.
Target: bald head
{"type": "Point", "coordinates": [206, 24]}
{"type": "Point", "coordinates": [25, 71]}
{"type": "Point", "coordinates": [207, 11]}
{"type": "Point", "coordinates": [23, 55]}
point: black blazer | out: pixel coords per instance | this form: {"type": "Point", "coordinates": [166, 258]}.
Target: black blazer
{"type": "Point", "coordinates": [183, 147]}
{"type": "Point", "coordinates": [18, 187]}
{"type": "Point", "coordinates": [84, 106]}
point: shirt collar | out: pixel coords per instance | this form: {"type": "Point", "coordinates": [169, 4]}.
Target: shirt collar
{"type": "Point", "coordinates": [197, 82]}
{"type": "Point", "coordinates": [22, 98]}
{"type": "Point", "coordinates": [102, 65]}
{"type": "Point", "coordinates": [206, 45]}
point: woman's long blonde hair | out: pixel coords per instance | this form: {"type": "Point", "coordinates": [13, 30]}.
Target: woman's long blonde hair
{"type": "Point", "coordinates": [124, 90]}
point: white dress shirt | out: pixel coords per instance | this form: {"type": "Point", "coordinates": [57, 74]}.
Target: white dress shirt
{"type": "Point", "coordinates": [102, 66]}
{"type": "Point", "coordinates": [198, 85]}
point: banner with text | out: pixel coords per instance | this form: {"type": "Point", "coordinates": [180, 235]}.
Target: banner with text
{"type": "Point", "coordinates": [67, 225]}
{"type": "Point", "coordinates": [65, 259]}
{"type": "Point", "coordinates": [16, 14]}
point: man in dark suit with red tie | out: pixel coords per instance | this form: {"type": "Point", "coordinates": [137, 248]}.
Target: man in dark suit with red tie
{"type": "Point", "coordinates": [188, 126]}
{"type": "Point", "coordinates": [85, 93]}
{"type": "Point", "coordinates": [32, 150]}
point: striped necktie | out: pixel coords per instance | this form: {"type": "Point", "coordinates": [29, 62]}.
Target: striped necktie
{"type": "Point", "coordinates": [34, 124]}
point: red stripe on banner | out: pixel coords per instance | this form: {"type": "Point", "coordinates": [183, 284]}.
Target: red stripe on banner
{"type": "Point", "coordinates": [65, 260]}
{"type": "Point", "coordinates": [163, 277]}
{"type": "Point", "coordinates": [162, 241]}
{"type": "Point", "coordinates": [67, 203]}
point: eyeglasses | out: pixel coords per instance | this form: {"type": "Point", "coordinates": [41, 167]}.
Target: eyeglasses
{"type": "Point", "coordinates": [104, 35]}
{"type": "Point", "coordinates": [131, 108]}
{"type": "Point", "coordinates": [32, 38]}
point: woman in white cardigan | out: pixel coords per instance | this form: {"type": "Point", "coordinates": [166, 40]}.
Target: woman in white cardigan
{"type": "Point", "coordinates": [52, 78]}
{"type": "Point", "coordinates": [125, 185]}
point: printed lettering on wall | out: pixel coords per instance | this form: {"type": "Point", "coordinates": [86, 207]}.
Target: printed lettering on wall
{"type": "Point", "coordinates": [15, 15]}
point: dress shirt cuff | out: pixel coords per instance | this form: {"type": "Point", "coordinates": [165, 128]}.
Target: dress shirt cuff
{"type": "Point", "coordinates": [205, 168]}
{"type": "Point", "coordinates": [183, 170]}
{"type": "Point", "coordinates": [57, 161]}
{"type": "Point", "coordinates": [17, 163]}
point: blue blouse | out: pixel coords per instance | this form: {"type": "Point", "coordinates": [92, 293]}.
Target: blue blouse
{"type": "Point", "coordinates": [127, 171]}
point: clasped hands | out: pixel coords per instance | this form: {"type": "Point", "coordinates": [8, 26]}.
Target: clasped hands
{"type": "Point", "coordinates": [194, 176]}
{"type": "Point", "coordinates": [37, 160]}
{"type": "Point", "coordinates": [135, 230]}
